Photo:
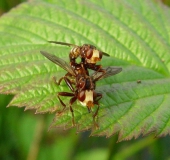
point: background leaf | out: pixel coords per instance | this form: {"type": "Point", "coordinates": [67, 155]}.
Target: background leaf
{"type": "Point", "coordinates": [135, 34]}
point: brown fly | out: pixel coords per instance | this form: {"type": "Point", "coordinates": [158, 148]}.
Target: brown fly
{"type": "Point", "coordinates": [88, 53]}
{"type": "Point", "coordinates": [83, 87]}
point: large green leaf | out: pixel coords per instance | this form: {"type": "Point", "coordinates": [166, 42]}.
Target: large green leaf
{"type": "Point", "coordinates": [134, 33]}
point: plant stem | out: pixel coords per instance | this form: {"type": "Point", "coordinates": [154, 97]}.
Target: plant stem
{"type": "Point", "coordinates": [34, 148]}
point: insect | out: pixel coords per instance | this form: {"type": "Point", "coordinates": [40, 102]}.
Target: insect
{"type": "Point", "coordinates": [88, 53]}
{"type": "Point", "coordinates": [84, 90]}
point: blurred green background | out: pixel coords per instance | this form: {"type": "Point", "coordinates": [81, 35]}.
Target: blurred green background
{"type": "Point", "coordinates": [24, 135]}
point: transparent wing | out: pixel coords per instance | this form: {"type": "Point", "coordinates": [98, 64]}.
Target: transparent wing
{"type": "Point", "coordinates": [63, 43]}
{"type": "Point", "coordinates": [58, 61]}
{"type": "Point", "coordinates": [110, 71]}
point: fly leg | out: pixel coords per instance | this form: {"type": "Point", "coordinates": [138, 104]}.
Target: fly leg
{"type": "Point", "coordinates": [66, 94]}
{"type": "Point", "coordinates": [95, 67]}
{"type": "Point", "coordinates": [68, 82]}
{"type": "Point", "coordinates": [64, 77]}
{"type": "Point", "coordinates": [73, 95]}
{"type": "Point", "coordinates": [55, 80]}
{"type": "Point", "coordinates": [72, 100]}
{"type": "Point", "coordinates": [97, 97]}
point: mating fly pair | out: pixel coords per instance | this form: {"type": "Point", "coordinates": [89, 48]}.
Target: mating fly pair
{"type": "Point", "coordinates": [77, 77]}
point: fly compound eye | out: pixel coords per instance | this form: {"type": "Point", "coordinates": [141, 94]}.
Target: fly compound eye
{"type": "Point", "coordinates": [81, 96]}
{"type": "Point", "coordinates": [89, 53]}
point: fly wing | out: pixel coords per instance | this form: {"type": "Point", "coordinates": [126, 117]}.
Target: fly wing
{"type": "Point", "coordinates": [73, 45]}
{"type": "Point", "coordinates": [105, 54]}
{"type": "Point", "coordinates": [110, 71]}
{"type": "Point", "coordinates": [63, 43]}
{"type": "Point", "coordinates": [58, 61]}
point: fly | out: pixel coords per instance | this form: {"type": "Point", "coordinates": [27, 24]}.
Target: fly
{"type": "Point", "coordinates": [88, 53]}
{"type": "Point", "coordinates": [83, 87]}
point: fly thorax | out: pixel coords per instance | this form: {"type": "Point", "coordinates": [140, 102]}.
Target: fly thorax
{"type": "Point", "coordinates": [89, 84]}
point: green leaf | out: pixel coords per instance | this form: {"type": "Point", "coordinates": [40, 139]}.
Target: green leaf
{"type": "Point", "coordinates": [134, 33]}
